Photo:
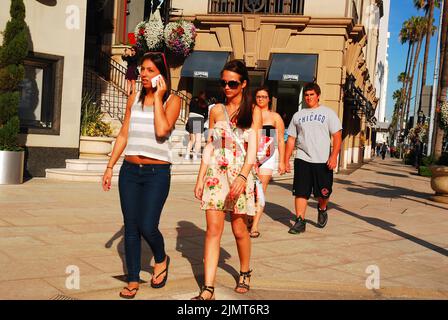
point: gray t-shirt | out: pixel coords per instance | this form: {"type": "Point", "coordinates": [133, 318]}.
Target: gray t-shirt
{"type": "Point", "coordinates": [313, 128]}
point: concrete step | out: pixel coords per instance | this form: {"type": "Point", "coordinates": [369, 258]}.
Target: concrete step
{"type": "Point", "coordinates": [90, 164]}
{"type": "Point", "coordinates": [78, 175]}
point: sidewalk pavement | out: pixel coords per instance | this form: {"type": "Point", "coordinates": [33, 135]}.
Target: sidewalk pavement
{"type": "Point", "coordinates": [380, 219]}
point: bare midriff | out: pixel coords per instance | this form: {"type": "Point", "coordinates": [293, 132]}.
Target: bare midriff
{"type": "Point", "coordinates": [144, 160]}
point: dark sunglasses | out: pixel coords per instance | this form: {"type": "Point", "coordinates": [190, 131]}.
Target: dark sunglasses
{"type": "Point", "coordinates": [232, 84]}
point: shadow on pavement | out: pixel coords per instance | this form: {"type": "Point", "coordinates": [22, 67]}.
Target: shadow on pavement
{"type": "Point", "coordinates": [393, 174]}
{"type": "Point", "coordinates": [279, 213]}
{"type": "Point", "coordinates": [393, 192]}
{"type": "Point", "coordinates": [282, 214]}
{"type": "Point", "coordinates": [389, 191]}
{"type": "Point", "coordinates": [385, 225]}
{"type": "Point", "coordinates": [145, 259]}
{"type": "Point", "coordinates": [194, 253]}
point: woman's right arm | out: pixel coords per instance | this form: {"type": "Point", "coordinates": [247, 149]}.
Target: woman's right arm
{"type": "Point", "coordinates": [206, 158]}
{"type": "Point", "coordinates": [120, 143]}
{"type": "Point", "coordinates": [280, 126]}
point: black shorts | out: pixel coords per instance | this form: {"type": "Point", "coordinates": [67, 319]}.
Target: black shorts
{"type": "Point", "coordinates": [195, 125]}
{"type": "Point", "coordinates": [315, 177]}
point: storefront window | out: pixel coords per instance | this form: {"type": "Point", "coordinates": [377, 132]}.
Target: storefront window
{"type": "Point", "coordinates": [289, 99]}
{"type": "Point", "coordinates": [210, 86]}
{"type": "Point", "coordinates": [40, 101]}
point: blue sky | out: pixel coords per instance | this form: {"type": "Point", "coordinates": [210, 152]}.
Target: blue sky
{"type": "Point", "coordinates": [401, 10]}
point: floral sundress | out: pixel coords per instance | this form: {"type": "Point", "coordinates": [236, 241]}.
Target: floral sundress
{"type": "Point", "coordinates": [224, 166]}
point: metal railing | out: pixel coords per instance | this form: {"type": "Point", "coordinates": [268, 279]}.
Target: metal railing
{"type": "Point", "coordinates": [105, 79]}
{"type": "Point", "coordinates": [106, 94]}
{"type": "Point", "coordinates": [256, 6]}
{"type": "Point", "coordinates": [184, 107]}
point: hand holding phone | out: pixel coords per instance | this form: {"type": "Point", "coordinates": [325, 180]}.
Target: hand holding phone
{"type": "Point", "coordinates": [155, 79]}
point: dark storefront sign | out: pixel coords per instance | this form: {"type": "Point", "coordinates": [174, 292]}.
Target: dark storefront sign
{"type": "Point", "coordinates": [357, 102]}
{"type": "Point", "coordinates": [204, 64]}
{"type": "Point", "coordinates": [293, 67]}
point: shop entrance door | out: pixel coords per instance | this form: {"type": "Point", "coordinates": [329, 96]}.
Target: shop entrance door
{"type": "Point", "coordinates": [289, 99]}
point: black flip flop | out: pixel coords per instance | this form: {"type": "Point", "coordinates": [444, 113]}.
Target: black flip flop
{"type": "Point", "coordinates": [129, 290]}
{"type": "Point", "coordinates": [254, 234]}
{"type": "Point", "coordinates": [162, 284]}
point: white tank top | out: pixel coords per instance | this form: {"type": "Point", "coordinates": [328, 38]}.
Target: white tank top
{"type": "Point", "coordinates": [142, 140]}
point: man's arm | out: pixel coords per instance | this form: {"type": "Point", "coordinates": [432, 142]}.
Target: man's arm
{"type": "Point", "coordinates": [337, 142]}
{"type": "Point", "coordinates": [288, 152]}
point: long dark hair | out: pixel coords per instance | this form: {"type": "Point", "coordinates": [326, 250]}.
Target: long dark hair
{"type": "Point", "coordinates": [244, 115]}
{"type": "Point", "coordinates": [158, 58]}
{"type": "Point", "coordinates": [264, 88]}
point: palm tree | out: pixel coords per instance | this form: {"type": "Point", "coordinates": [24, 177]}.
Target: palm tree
{"type": "Point", "coordinates": [443, 88]}
{"type": "Point", "coordinates": [418, 31]}
{"type": "Point", "coordinates": [428, 7]}
{"type": "Point", "coordinates": [407, 34]}
{"type": "Point", "coordinates": [398, 96]}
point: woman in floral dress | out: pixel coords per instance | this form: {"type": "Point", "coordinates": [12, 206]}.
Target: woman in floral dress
{"type": "Point", "coordinates": [225, 183]}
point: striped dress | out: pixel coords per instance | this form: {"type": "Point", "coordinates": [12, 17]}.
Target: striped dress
{"type": "Point", "coordinates": [142, 140]}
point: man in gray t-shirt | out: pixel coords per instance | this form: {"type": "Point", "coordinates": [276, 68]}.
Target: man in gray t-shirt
{"type": "Point", "coordinates": [313, 128]}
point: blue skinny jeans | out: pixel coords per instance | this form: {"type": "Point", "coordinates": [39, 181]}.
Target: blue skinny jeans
{"type": "Point", "coordinates": [143, 192]}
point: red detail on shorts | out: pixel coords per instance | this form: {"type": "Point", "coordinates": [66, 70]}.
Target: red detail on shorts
{"type": "Point", "coordinates": [324, 192]}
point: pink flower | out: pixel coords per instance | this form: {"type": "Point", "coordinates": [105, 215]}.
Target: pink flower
{"type": "Point", "coordinates": [211, 182]}
{"type": "Point", "coordinates": [223, 162]}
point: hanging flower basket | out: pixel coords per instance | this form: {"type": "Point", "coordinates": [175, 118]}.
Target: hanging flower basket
{"type": "Point", "coordinates": [443, 119]}
{"type": "Point", "coordinates": [180, 37]}
{"type": "Point", "coordinates": [140, 36]}
{"type": "Point", "coordinates": [149, 35]}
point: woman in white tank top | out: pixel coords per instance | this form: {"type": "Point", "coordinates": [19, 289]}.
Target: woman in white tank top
{"type": "Point", "coordinates": [144, 178]}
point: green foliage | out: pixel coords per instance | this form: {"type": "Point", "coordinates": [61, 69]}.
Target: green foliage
{"type": "Point", "coordinates": [12, 28]}
{"type": "Point", "coordinates": [10, 77]}
{"type": "Point", "coordinates": [12, 52]}
{"type": "Point", "coordinates": [424, 171]}
{"type": "Point", "coordinates": [17, 10]}
{"type": "Point", "coordinates": [15, 51]}
{"type": "Point", "coordinates": [92, 124]}
{"type": "Point", "coordinates": [8, 135]}
{"type": "Point", "coordinates": [427, 161]}
{"type": "Point", "coordinates": [8, 101]}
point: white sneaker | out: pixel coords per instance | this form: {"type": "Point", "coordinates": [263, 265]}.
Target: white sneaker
{"type": "Point", "coordinates": [187, 156]}
{"type": "Point", "coordinates": [195, 157]}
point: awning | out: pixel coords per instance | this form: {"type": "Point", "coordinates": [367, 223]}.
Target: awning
{"type": "Point", "coordinates": [293, 67]}
{"type": "Point", "coordinates": [204, 64]}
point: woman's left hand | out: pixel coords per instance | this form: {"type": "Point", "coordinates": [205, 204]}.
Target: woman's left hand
{"type": "Point", "coordinates": [281, 168]}
{"type": "Point", "coordinates": [161, 88]}
{"type": "Point", "coordinates": [238, 186]}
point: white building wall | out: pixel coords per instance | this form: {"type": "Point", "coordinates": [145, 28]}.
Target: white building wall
{"type": "Point", "coordinates": [382, 64]}
{"type": "Point", "coordinates": [190, 7]}
{"type": "Point", "coordinates": [58, 30]}
{"type": "Point", "coordinates": [331, 8]}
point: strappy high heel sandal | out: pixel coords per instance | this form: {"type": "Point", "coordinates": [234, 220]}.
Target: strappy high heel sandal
{"type": "Point", "coordinates": [205, 288]}
{"type": "Point", "coordinates": [243, 284]}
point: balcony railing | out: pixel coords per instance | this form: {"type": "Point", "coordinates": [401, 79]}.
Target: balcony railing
{"type": "Point", "coordinates": [256, 6]}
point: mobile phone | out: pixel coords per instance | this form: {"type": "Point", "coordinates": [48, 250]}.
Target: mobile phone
{"type": "Point", "coordinates": [155, 79]}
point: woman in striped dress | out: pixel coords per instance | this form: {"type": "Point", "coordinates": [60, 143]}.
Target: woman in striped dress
{"type": "Point", "coordinates": [144, 179]}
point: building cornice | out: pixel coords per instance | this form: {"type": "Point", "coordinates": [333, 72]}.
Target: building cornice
{"type": "Point", "coordinates": [355, 32]}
